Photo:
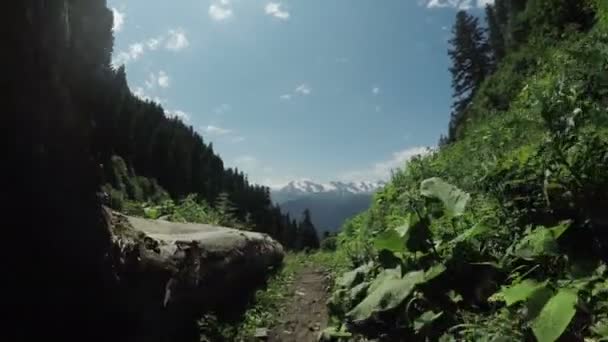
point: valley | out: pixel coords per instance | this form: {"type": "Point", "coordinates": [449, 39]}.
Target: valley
{"type": "Point", "coordinates": [330, 204]}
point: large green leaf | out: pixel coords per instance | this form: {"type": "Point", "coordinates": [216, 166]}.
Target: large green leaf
{"type": "Point", "coordinates": [454, 199]}
{"type": "Point", "coordinates": [555, 316]}
{"type": "Point", "coordinates": [521, 291]}
{"type": "Point", "coordinates": [333, 333]}
{"type": "Point", "coordinates": [358, 292]}
{"type": "Point", "coordinates": [354, 277]}
{"type": "Point", "coordinates": [409, 221]}
{"type": "Point", "coordinates": [478, 229]}
{"type": "Point", "coordinates": [392, 273]}
{"type": "Point", "coordinates": [454, 296]}
{"type": "Point", "coordinates": [389, 240]}
{"type": "Point", "coordinates": [425, 320]}
{"type": "Point", "coordinates": [537, 301]}
{"type": "Point", "coordinates": [413, 236]}
{"type": "Point", "coordinates": [434, 272]}
{"type": "Point", "coordinates": [541, 242]}
{"type": "Point", "coordinates": [387, 296]}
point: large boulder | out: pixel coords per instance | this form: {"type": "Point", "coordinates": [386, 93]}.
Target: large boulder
{"type": "Point", "coordinates": [174, 272]}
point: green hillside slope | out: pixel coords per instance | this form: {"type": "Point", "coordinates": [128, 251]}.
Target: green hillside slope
{"type": "Point", "coordinates": [502, 233]}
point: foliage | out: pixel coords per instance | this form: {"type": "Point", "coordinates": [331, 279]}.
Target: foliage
{"type": "Point", "coordinates": [508, 222]}
{"type": "Point", "coordinates": [555, 316]}
{"type": "Point", "coordinates": [126, 191]}
{"type": "Point", "coordinates": [469, 53]}
{"type": "Point", "coordinates": [453, 199]}
{"type": "Point", "coordinates": [268, 303]}
{"type": "Point", "coordinates": [329, 244]}
{"type": "Point", "coordinates": [384, 294]}
{"type": "Point", "coordinates": [140, 196]}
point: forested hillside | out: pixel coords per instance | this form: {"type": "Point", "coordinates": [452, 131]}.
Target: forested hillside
{"type": "Point", "coordinates": [75, 129]}
{"type": "Point", "coordinates": [143, 153]}
{"type": "Point", "coordinates": [501, 233]}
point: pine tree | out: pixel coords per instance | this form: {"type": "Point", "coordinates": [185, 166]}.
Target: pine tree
{"type": "Point", "coordinates": [496, 40]}
{"type": "Point", "coordinates": [225, 208]}
{"type": "Point", "coordinates": [501, 13]}
{"type": "Point", "coordinates": [470, 65]}
{"type": "Point", "coordinates": [307, 233]}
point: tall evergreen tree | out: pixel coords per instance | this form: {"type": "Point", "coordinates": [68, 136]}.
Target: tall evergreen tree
{"type": "Point", "coordinates": [307, 233]}
{"type": "Point", "coordinates": [225, 207]}
{"type": "Point", "coordinates": [470, 65]}
{"type": "Point", "coordinates": [501, 13]}
{"type": "Point", "coordinates": [496, 40]}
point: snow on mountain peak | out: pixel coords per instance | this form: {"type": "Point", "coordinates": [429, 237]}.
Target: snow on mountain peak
{"type": "Point", "coordinates": [307, 186]}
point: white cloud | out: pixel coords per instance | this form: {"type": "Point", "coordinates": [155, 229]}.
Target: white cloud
{"type": "Point", "coordinates": [177, 114]}
{"type": "Point", "coordinates": [121, 58]}
{"type": "Point", "coordinates": [135, 51]}
{"type": "Point", "coordinates": [153, 43]}
{"type": "Point", "coordinates": [303, 89]}
{"type": "Point", "coordinates": [237, 139]}
{"type": "Point", "coordinates": [215, 130]}
{"type": "Point", "coordinates": [274, 9]}
{"type": "Point", "coordinates": [484, 3]}
{"type": "Point", "coordinates": [177, 40]}
{"type": "Point", "coordinates": [286, 97]}
{"type": "Point", "coordinates": [141, 93]}
{"type": "Point", "coordinates": [382, 170]}
{"type": "Point", "coordinates": [119, 20]}
{"type": "Point", "coordinates": [376, 90]}
{"type": "Point", "coordinates": [174, 40]}
{"type": "Point", "coordinates": [151, 81]}
{"type": "Point", "coordinates": [163, 79]}
{"type": "Point", "coordinates": [459, 4]}
{"type": "Point", "coordinates": [220, 10]}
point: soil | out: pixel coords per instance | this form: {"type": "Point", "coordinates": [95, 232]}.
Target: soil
{"type": "Point", "coordinates": [306, 312]}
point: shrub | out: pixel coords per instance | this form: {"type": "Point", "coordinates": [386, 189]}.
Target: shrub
{"type": "Point", "coordinates": [329, 243]}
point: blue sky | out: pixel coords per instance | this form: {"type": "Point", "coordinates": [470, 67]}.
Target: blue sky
{"type": "Point", "coordinates": [316, 89]}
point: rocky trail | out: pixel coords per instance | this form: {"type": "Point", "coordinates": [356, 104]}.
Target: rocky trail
{"type": "Point", "coordinates": [306, 312]}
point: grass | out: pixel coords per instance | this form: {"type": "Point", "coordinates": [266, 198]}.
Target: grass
{"type": "Point", "coordinates": [270, 303]}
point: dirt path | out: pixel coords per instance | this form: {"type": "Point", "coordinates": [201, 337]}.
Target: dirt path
{"type": "Point", "coordinates": [306, 313]}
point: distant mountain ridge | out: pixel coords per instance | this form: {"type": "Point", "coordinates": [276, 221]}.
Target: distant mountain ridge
{"type": "Point", "coordinates": [330, 203]}
{"type": "Point", "coordinates": [301, 188]}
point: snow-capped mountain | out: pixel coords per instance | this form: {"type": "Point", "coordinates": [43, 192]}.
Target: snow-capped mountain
{"type": "Point", "coordinates": [306, 187]}
{"type": "Point", "coordinates": [330, 203]}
